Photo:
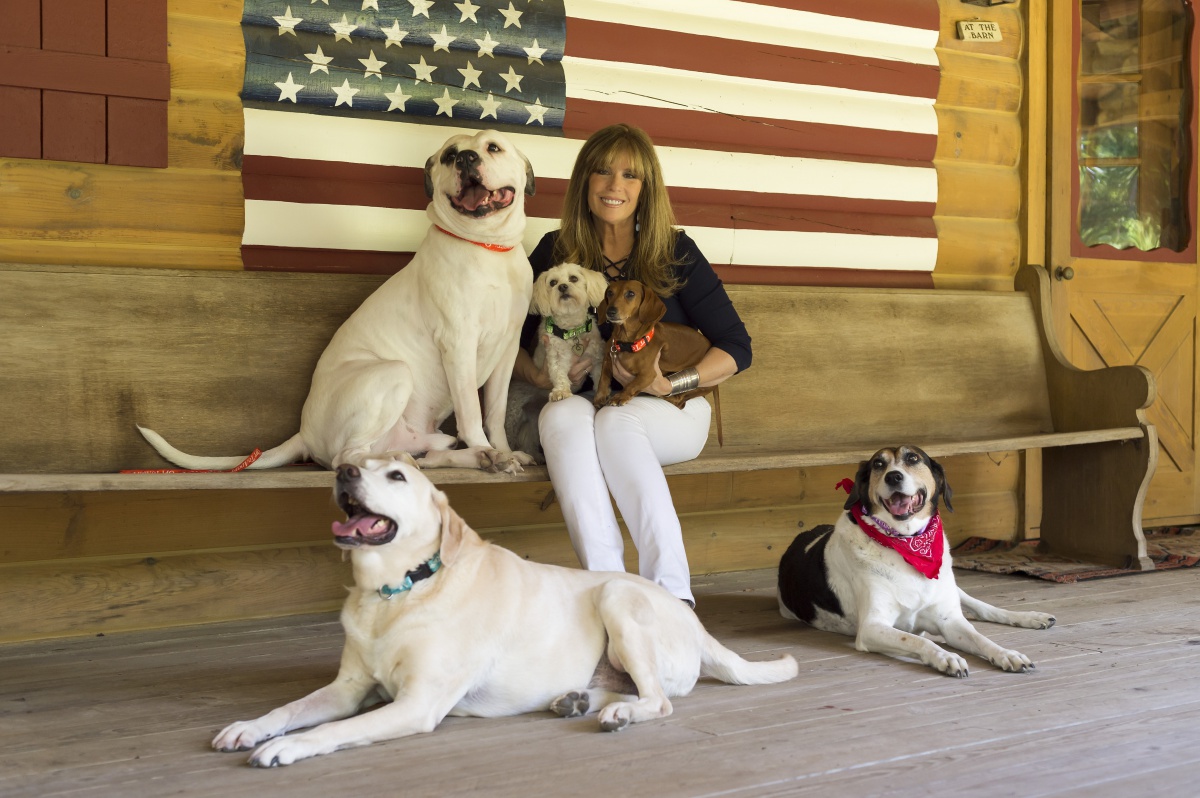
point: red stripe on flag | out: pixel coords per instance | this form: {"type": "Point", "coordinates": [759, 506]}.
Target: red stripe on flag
{"type": "Point", "coordinates": [297, 259]}
{"type": "Point", "coordinates": [610, 41]}
{"type": "Point", "coordinates": [332, 183]}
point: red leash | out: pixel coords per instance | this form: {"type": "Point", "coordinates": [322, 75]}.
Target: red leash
{"type": "Point", "coordinates": [254, 455]}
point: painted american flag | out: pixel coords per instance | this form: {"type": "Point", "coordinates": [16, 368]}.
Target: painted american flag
{"type": "Point", "coordinates": [797, 136]}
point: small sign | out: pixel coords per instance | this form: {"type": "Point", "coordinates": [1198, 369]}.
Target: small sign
{"type": "Point", "coordinates": [979, 31]}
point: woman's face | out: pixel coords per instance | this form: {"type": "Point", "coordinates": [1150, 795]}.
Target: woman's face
{"type": "Point", "coordinates": [613, 192]}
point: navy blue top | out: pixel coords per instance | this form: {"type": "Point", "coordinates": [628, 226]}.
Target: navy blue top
{"type": "Point", "coordinates": [700, 303]}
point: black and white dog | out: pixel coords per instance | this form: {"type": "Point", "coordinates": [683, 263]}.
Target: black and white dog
{"type": "Point", "coordinates": [882, 572]}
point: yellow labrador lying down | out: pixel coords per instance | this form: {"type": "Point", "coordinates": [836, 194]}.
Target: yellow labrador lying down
{"type": "Point", "coordinates": [440, 622]}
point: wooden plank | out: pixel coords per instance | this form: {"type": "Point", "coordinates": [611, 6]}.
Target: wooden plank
{"type": "Point", "coordinates": [137, 29]}
{"type": "Point", "coordinates": [711, 462]}
{"type": "Point", "coordinates": [980, 249]}
{"type": "Point", "coordinates": [73, 127]}
{"type": "Point", "coordinates": [976, 136]}
{"type": "Point", "coordinates": [111, 715]}
{"type": "Point", "coordinates": [74, 26]}
{"type": "Point", "coordinates": [21, 123]}
{"type": "Point", "coordinates": [137, 132]}
{"type": "Point", "coordinates": [104, 204]}
{"type": "Point", "coordinates": [22, 23]}
{"type": "Point", "coordinates": [85, 74]}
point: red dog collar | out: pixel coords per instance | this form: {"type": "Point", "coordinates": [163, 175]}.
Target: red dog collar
{"type": "Point", "coordinates": [489, 247]}
{"type": "Point", "coordinates": [632, 346]}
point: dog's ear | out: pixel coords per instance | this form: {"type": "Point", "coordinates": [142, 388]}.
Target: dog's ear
{"type": "Point", "coordinates": [540, 302]}
{"type": "Point", "coordinates": [651, 310]}
{"type": "Point", "coordinates": [602, 308]}
{"type": "Point", "coordinates": [529, 186]}
{"type": "Point", "coordinates": [943, 487]}
{"type": "Point", "coordinates": [862, 486]}
{"type": "Point", "coordinates": [453, 528]}
{"type": "Point", "coordinates": [429, 177]}
{"type": "Point", "coordinates": [596, 285]}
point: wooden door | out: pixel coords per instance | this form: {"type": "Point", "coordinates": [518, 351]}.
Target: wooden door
{"type": "Point", "coordinates": [1122, 212]}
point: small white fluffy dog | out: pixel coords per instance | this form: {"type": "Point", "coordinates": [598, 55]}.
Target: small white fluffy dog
{"type": "Point", "coordinates": [564, 296]}
{"type": "Point", "coordinates": [423, 344]}
{"type": "Point", "coordinates": [440, 622]}
{"type": "Point", "coordinates": [840, 578]}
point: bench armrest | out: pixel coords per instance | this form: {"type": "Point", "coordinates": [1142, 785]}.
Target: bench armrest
{"type": "Point", "coordinates": [1116, 396]}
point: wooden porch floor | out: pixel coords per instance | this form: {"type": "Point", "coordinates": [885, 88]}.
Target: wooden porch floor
{"type": "Point", "coordinates": [1112, 709]}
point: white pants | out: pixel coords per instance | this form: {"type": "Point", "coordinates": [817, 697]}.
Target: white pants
{"type": "Point", "coordinates": [621, 450]}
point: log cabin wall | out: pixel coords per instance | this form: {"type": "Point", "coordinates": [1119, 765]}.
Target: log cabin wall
{"type": "Point", "coordinates": [114, 561]}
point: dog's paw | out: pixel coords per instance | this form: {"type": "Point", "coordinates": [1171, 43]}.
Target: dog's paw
{"type": "Point", "coordinates": [1013, 662]}
{"type": "Point", "coordinates": [241, 736]}
{"type": "Point", "coordinates": [558, 394]}
{"type": "Point", "coordinates": [1034, 620]}
{"type": "Point", "coordinates": [951, 664]}
{"type": "Point", "coordinates": [615, 716]}
{"type": "Point", "coordinates": [286, 750]}
{"type": "Point", "coordinates": [571, 705]}
{"type": "Point", "coordinates": [509, 462]}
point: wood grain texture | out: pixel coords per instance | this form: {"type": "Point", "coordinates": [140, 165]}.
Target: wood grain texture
{"type": "Point", "coordinates": [130, 713]}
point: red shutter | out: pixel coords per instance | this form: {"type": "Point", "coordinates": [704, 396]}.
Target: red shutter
{"type": "Point", "coordinates": [86, 80]}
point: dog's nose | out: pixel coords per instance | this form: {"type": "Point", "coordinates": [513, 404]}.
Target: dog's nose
{"type": "Point", "coordinates": [466, 158]}
{"type": "Point", "coordinates": [894, 478]}
{"type": "Point", "coordinates": [611, 314]}
{"type": "Point", "coordinates": [563, 288]}
{"type": "Point", "coordinates": [347, 471]}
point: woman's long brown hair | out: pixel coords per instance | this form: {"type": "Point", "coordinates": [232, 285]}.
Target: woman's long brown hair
{"type": "Point", "coordinates": [653, 252]}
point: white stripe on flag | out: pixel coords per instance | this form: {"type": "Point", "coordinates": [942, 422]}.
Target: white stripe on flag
{"type": "Point", "coordinates": [352, 227]}
{"type": "Point", "coordinates": [331, 138]}
{"type": "Point", "coordinates": [662, 87]}
{"type": "Point", "coordinates": [750, 22]}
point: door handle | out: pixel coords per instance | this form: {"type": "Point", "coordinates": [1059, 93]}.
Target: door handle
{"type": "Point", "coordinates": [1063, 272]}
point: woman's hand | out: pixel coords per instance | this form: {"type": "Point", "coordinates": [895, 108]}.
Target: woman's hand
{"type": "Point", "coordinates": [526, 370]}
{"type": "Point", "coordinates": [660, 386]}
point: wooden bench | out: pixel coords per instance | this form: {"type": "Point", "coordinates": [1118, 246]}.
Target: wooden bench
{"type": "Point", "coordinates": [219, 363]}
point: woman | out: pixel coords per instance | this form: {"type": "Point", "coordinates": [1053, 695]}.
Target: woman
{"type": "Point", "coordinates": [617, 219]}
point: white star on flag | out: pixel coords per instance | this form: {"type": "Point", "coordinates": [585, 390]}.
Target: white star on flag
{"type": "Point", "coordinates": [394, 35]}
{"type": "Point", "coordinates": [534, 52]}
{"type": "Point", "coordinates": [512, 79]}
{"type": "Point", "coordinates": [536, 111]}
{"type": "Point", "coordinates": [490, 107]}
{"type": "Point", "coordinates": [511, 16]}
{"type": "Point", "coordinates": [468, 9]}
{"type": "Point", "coordinates": [470, 76]}
{"type": "Point", "coordinates": [343, 29]}
{"type": "Point", "coordinates": [288, 89]}
{"type": "Point", "coordinates": [397, 98]}
{"type": "Point", "coordinates": [372, 66]}
{"type": "Point", "coordinates": [445, 104]}
{"type": "Point", "coordinates": [345, 94]}
{"type": "Point", "coordinates": [320, 61]}
{"type": "Point", "coordinates": [366, 4]}
{"type": "Point", "coordinates": [441, 41]}
{"type": "Point", "coordinates": [421, 7]}
{"type": "Point", "coordinates": [487, 44]}
{"type": "Point", "coordinates": [288, 23]}
{"type": "Point", "coordinates": [423, 71]}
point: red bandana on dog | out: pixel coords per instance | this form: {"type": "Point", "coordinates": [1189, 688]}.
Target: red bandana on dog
{"type": "Point", "coordinates": [922, 551]}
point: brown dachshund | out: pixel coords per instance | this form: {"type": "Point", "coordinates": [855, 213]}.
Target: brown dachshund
{"type": "Point", "coordinates": [638, 336]}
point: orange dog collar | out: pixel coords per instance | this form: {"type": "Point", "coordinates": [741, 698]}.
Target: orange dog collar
{"type": "Point", "coordinates": [489, 247]}
{"type": "Point", "coordinates": [632, 346]}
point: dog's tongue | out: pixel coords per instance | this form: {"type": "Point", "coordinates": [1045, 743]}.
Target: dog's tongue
{"type": "Point", "coordinates": [900, 505]}
{"type": "Point", "coordinates": [475, 196]}
{"type": "Point", "coordinates": [362, 525]}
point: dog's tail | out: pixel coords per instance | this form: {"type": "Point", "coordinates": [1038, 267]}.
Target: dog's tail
{"type": "Point", "coordinates": [721, 663]}
{"type": "Point", "coordinates": [290, 451]}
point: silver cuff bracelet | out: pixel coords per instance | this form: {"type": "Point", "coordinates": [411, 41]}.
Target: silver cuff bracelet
{"type": "Point", "coordinates": [684, 380]}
